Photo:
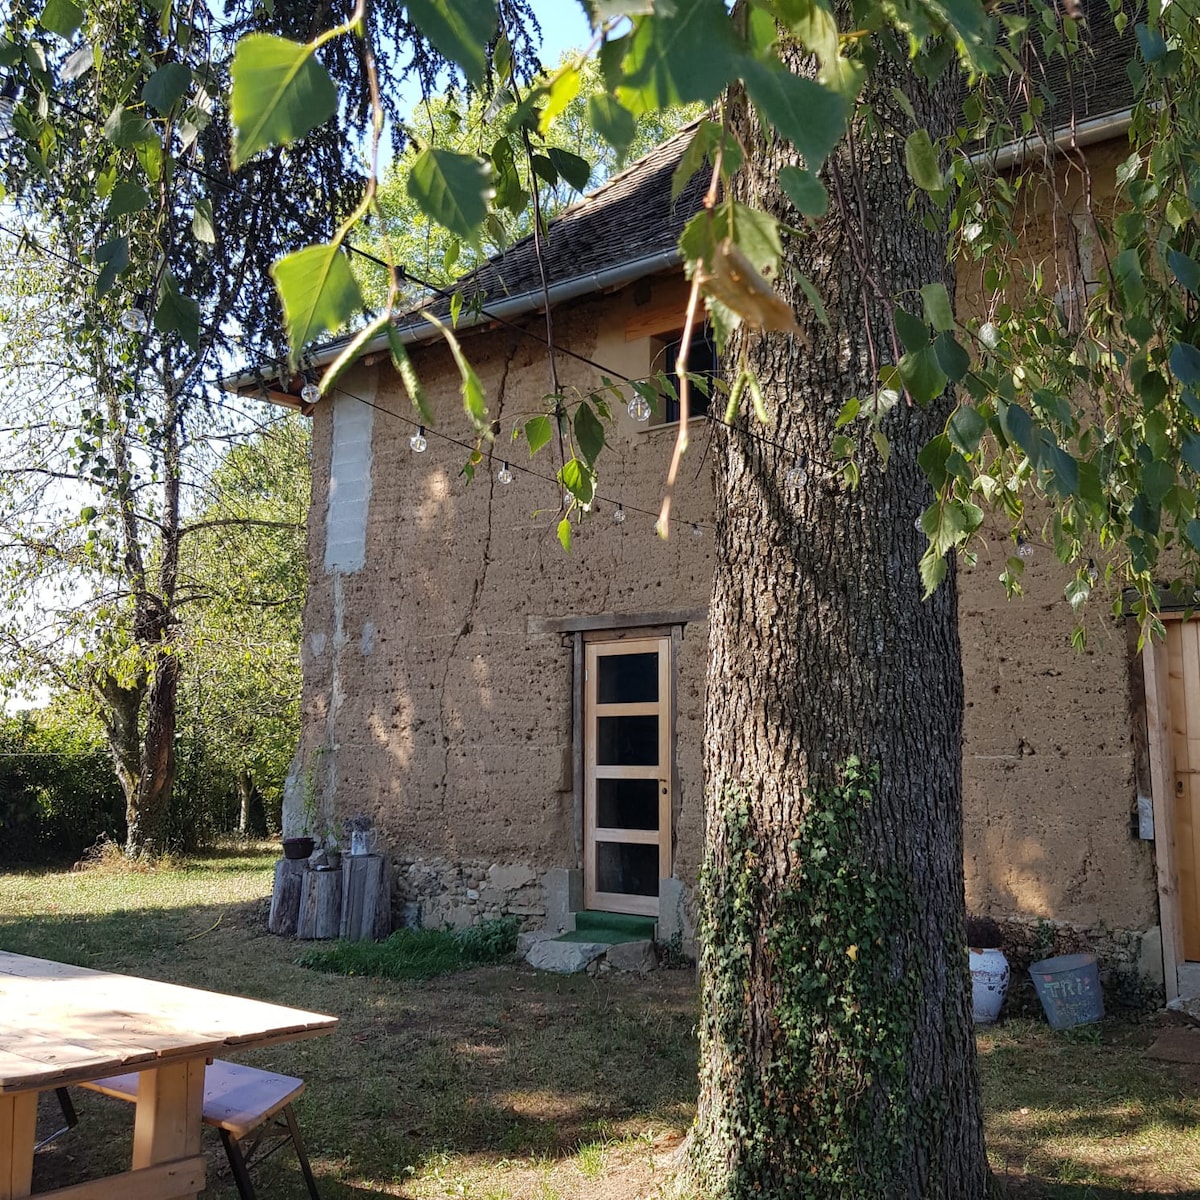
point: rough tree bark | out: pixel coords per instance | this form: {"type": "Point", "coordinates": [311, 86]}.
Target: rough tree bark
{"type": "Point", "coordinates": [837, 1051]}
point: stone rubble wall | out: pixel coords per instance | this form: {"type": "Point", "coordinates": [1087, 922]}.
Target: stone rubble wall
{"type": "Point", "coordinates": [431, 893]}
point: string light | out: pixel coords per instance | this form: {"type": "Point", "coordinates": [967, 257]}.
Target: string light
{"type": "Point", "coordinates": [619, 515]}
{"type": "Point", "coordinates": [697, 532]}
{"type": "Point", "coordinates": [417, 443]}
{"type": "Point", "coordinates": [639, 408]}
{"type": "Point", "coordinates": [797, 475]}
{"type": "Point", "coordinates": [310, 393]}
{"type": "Point", "coordinates": [1092, 573]}
{"type": "Point", "coordinates": [1024, 548]}
{"type": "Point", "coordinates": [504, 475]}
{"type": "Point", "coordinates": [134, 319]}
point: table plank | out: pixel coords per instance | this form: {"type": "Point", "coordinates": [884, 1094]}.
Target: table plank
{"type": "Point", "coordinates": [59, 1022]}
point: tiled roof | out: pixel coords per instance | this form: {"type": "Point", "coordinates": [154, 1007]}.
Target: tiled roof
{"type": "Point", "coordinates": [628, 218]}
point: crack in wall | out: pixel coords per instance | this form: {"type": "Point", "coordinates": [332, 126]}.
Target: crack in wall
{"type": "Point", "coordinates": [468, 621]}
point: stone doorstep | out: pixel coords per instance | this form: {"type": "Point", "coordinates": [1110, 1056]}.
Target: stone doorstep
{"type": "Point", "coordinates": [543, 953]}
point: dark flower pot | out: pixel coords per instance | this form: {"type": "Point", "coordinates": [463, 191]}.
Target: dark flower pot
{"type": "Point", "coordinates": [297, 847]}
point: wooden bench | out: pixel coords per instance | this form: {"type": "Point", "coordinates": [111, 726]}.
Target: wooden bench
{"type": "Point", "coordinates": [238, 1101]}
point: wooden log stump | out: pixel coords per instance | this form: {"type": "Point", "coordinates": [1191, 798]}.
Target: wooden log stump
{"type": "Point", "coordinates": [320, 905]}
{"type": "Point", "coordinates": [366, 897]}
{"type": "Point", "coordinates": [285, 896]}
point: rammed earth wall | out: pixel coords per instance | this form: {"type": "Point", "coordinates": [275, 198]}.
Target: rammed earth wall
{"type": "Point", "coordinates": [431, 706]}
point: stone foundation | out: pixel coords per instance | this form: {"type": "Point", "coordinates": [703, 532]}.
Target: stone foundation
{"type": "Point", "coordinates": [1126, 970]}
{"type": "Point", "coordinates": [431, 893]}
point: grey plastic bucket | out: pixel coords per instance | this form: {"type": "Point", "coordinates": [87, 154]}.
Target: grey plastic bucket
{"type": "Point", "coordinates": [1069, 988]}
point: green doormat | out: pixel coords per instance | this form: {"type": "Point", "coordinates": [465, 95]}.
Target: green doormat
{"type": "Point", "coordinates": [610, 928]}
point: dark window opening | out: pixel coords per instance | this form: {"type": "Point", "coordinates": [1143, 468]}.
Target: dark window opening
{"type": "Point", "coordinates": [702, 366]}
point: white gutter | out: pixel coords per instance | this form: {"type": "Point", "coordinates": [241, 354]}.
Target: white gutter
{"type": "Point", "coordinates": [506, 308]}
{"type": "Point", "coordinates": [1086, 133]}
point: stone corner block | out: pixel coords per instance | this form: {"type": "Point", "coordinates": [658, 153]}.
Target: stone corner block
{"type": "Point", "coordinates": [563, 958]}
{"type": "Point", "coordinates": [632, 956]}
{"type": "Point", "coordinates": [530, 938]}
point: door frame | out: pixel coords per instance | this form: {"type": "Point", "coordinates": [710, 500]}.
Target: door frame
{"type": "Point", "coordinates": [1156, 673]}
{"type": "Point", "coordinates": [614, 644]}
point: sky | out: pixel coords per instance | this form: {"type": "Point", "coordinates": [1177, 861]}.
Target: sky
{"type": "Point", "coordinates": [564, 26]}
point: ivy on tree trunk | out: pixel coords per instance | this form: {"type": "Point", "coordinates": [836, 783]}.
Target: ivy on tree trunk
{"type": "Point", "coordinates": [837, 1052]}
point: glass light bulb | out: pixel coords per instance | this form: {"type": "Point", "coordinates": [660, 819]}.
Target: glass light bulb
{"type": "Point", "coordinates": [133, 320]}
{"type": "Point", "coordinates": [504, 475]}
{"type": "Point", "coordinates": [618, 515]}
{"type": "Point", "coordinates": [989, 335]}
{"type": "Point", "coordinates": [310, 393]}
{"type": "Point", "coordinates": [797, 476]}
{"type": "Point", "coordinates": [697, 532]}
{"type": "Point", "coordinates": [918, 526]}
{"type": "Point", "coordinates": [417, 443]}
{"type": "Point", "coordinates": [1024, 549]}
{"type": "Point", "coordinates": [1092, 573]}
{"type": "Point", "coordinates": [639, 408]}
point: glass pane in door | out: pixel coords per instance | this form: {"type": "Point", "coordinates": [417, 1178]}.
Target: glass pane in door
{"type": "Point", "coordinates": [627, 868]}
{"type": "Point", "coordinates": [627, 741]}
{"type": "Point", "coordinates": [627, 679]}
{"type": "Point", "coordinates": [627, 803]}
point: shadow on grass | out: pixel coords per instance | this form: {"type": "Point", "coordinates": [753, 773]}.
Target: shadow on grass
{"type": "Point", "coordinates": [458, 1075]}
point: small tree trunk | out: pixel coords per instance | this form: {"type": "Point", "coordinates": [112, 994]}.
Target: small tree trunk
{"type": "Point", "coordinates": [245, 790]}
{"type": "Point", "coordinates": [837, 1051]}
{"type": "Point", "coordinates": [149, 823]}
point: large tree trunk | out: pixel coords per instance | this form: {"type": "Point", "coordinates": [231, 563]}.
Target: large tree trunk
{"type": "Point", "coordinates": [837, 1052]}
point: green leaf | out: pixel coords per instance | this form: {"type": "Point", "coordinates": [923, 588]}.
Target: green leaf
{"type": "Point", "coordinates": [814, 298]}
{"type": "Point", "coordinates": [1193, 533]}
{"type": "Point", "coordinates": [912, 331]}
{"type": "Point", "coordinates": [543, 168]}
{"type": "Point", "coordinates": [678, 56]}
{"type": "Point", "coordinates": [127, 198]}
{"type": "Point", "coordinates": [756, 235]}
{"type": "Point", "coordinates": [203, 224]}
{"type": "Point", "coordinates": [951, 357]}
{"type": "Point", "coordinates": [922, 376]}
{"type": "Point", "coordinates": [613, 122]}
{"type": "Point", "coordinates": [589, 433]}
{"type": "Point", "coordinates": [921, 160]}
{"type": "Point", "coordinates": [474, 401]}
{"type": "Point", "coordinates": [575, 170]}
{"type": "Point", "coordinates": [452, 189]}
{"type": "Point", "coordinates": [125, 128]}
{"type": "Point", "coordinates": [62, 17]}
{"type": "Point", "coordinates": [932, 460]}
{"type": "Point", "coordinates": [1185, 362]}
{"type": "Point", "coordinates": [78, 63]}
{"type": "Point", "coordinates": [966, 429]}
{"type": "Point", "coordinates": [805, 191]}
{"type": "Point", "coordinates": [280, 92]}
{"type": "Point", "coordinates": [538, 432]}
{"type": "Point", "coordinates": [848, 412]}
{"type": "Point", "coordinates": [933, 571]}
{"type": "Point", "coordinates": [810, 116]}
{"type": "Point", "coordinates": [578, 478]}
{"type": "Point", "coordinates": [167, 86]}
{"type": "Point", "coordinates": [1017, 427]}
{"type": "Point", "coordinates": [1186, 270]}
{"type": "Point", "coordinates": [113, 258]}
{"type": "Point", "coordinates": [176, 312]}
{"type": "Point", "coordinates": [938, 310]}
{"type": "Point", "coordinates": [318, 291]}
{"type": "Point", "coordinates": [1157, 480]}
{"type": "Point", "coordinates": [564, 534]}
{"type": "Point", "coordinates": [563, 88]}
{"type": "Point", "coordinates": [459, 30]}
{"type": "Point", "coordinates": [1151, 43]}
{"type": "Point", "coordinates": [408, 373]}
{"type": "Point", "coordinates": [1189, 451]}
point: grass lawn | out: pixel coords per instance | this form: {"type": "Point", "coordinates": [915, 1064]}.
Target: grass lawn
{"type": "Point", "coordinates": [500, 1083]}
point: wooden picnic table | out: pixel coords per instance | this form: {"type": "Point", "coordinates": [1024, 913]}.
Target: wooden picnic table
{"type": "Point", "coordinates": [61, 1025]}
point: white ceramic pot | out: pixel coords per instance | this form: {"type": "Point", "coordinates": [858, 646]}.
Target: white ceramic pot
{"type": "Point", "coordinates": [989, 982]}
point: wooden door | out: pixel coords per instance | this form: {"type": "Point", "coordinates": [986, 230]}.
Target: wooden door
{"type": "Point", "coordinates": [627, 774]}
{"type": "Point", "coordinates": [1183, 674]}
